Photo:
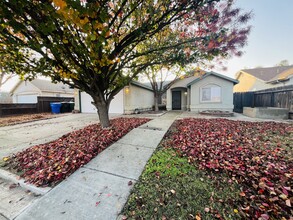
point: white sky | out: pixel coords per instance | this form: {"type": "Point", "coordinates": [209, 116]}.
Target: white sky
{"type": "Point", "coordinates": [270, 41]}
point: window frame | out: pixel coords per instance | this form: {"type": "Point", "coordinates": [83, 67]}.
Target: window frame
{"type": "Point", "coordinates": [210, 86]}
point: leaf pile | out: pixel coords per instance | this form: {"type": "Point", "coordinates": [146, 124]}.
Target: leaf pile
{"type": "Point", "coordinates": [17, 119]}
{"type": "Point", "coordinates": [50, 163]}
{"type": "Point", "coordinates": [256, 155]}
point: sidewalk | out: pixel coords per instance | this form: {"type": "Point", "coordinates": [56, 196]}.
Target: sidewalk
{"type": "Point", "coordinates": [100, 189]}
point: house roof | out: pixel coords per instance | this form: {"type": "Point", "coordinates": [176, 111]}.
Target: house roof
{"type": "Point", "coordinates": [184, 82]}
{"type": "Point", "coordinates": [141, 85]}
{"type": "Point", "coordinates": [269, 73]}
{"type": "Point", "coordinates": [234, 81]}
{"type": "Point", "coordinates": [48, 86]}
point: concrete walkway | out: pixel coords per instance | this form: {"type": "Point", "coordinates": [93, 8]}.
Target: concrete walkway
{"type": "Point", "coordinates": [100, 189]}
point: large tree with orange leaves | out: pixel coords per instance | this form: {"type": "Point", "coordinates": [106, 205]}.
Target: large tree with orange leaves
{"type": "Point", "coordinates": [94, 45]}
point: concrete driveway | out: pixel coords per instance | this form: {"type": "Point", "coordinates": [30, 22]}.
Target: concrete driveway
{"type": "Point", "coordinates": [14, 198]}
{"type": "Point", "coordinates": [17, 137]}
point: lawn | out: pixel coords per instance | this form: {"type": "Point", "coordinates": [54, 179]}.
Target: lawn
{"type": "Point", "coordinates": [48, 164]}
{"type": "Point", "coordinates": [217, 169]}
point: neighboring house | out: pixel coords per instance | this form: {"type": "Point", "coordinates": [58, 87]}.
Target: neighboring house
{"type": "Point", "coordinates": [263, 78]}
{"type": "Point", "coordinates": [211, 91]}
{"type": "Point", "coordinates": [5, 97]}
{"type": "Point", "coordinates": [28, 91]}
{"type": "Point", "coordinates": [134, 97]}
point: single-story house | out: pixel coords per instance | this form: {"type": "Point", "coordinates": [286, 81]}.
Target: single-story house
{"type": "Point", "coordinates": [210, 91]}
{"type": "Point", "coordinates": [134, 97]}
{"type": "Point", "coordinates": [28, 91]}
{"type": "Point", "coordinates": [5, 97]}
{"type": "Point", "coordinates": [263, 78]}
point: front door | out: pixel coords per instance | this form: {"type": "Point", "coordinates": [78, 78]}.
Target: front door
{"type": "Point", "coordinates": [176, 100]}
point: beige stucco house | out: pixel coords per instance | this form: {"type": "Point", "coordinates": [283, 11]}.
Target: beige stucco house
{"type": "Point", "coordinates": [134, 97]}
{"type": "Point", "coordinates": [263, 78]}
{"type": "Point", "coordinates": [28, 91]}
{"type": "Point", "coordinates": [211, 91]}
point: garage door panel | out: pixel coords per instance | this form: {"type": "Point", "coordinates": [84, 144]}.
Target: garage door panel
{"type": "Point", "coordinates": [116, 105]}
{"type": "Point", "coordinates": [27, 99]}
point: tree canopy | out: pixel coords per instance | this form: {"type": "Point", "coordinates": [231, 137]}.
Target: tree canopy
{"type": "Point", "coordinates": [218, 31]}
{"type": "Point", "coordinates": [98, 45]}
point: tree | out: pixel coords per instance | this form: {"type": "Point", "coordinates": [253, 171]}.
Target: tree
{"type": "Point", "coordinates": [283, 63]}
{"type": "Point", "coordinates": [217, 31]}
{"type": "Point", "coordinates": [93, 45]}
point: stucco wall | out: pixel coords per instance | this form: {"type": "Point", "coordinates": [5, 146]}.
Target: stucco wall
{"type": "Point", "coordinates": [248, 82]}
{"type": "Point", "coordinates": [226, 103]}
{"type": "Point", "coordinates": [26, 92]}
{"type": "Point", "coordinates": [137, 98]}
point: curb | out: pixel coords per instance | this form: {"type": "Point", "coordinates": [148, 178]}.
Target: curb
{"type": "Point", "coordinates": [15, 179]}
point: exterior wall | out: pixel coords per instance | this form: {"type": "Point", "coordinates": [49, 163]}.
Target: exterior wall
{"type": "Point", "coordinates": [5, 97]}
{"type": "Point", "coordinates": [169, 100]}
{"type": "Point", "coordinates": [226, 103]}
{"type": "Point", "coordinates": [137, 98]}
{"type": "Point", "coordinates": [248, 82]}
{"type": "Point", "coordinates": [57, 94]}
{"type": "Point", "coordinates": [26, 92]}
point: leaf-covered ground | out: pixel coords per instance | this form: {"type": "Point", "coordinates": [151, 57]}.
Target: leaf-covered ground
{"type": "Point", "coordinates": [17, 119]}
{"type": "Point", "coordinates": [50, 163]}
{"type": "Point", "coordinates": [228, 170]}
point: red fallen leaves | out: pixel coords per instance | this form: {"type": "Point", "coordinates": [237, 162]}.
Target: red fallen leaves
{"type": "Point", "coordinates": [50, 163]}
{"type": "Point", "coordinates": [251, 153]}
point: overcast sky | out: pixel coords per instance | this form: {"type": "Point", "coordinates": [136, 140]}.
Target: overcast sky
{"type": "Point", "coordinates": [271, 38]}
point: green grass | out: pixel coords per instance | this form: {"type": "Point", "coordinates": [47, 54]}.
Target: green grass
{"type": "Point", "coordinates": [172, 188]}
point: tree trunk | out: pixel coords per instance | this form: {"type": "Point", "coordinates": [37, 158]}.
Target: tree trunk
{"type": "Point", "coordinates": [103, 111]}
{"type": "Point", "coordinates": [156, 99]}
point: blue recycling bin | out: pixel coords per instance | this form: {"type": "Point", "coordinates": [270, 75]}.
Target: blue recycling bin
{"type": "Point", "coordinates": [55, 106]}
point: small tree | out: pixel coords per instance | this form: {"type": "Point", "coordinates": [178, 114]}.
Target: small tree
{"type": "Point", "coordinates": [283, 63]}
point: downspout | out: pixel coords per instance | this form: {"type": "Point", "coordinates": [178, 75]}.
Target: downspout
{"type": "Point", "coordinates": [79, 99]}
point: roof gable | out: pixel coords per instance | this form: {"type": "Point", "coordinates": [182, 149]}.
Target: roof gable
{"type": "Point", "coordinates": [46, 85]}
{"type": "Point", "coordinates": [234, 81]}
{"type": "Point", "coordinates": [268, 73]}
{"type": "Point", "coordinates": [142, 85]}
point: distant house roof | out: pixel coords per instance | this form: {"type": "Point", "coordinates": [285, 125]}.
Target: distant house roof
{"type": "Point", "coordinates": [48, 86]}
{"type": "Point", "coordinates": [269, 73]}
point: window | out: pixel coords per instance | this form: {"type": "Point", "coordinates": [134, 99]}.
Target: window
{"type": "Point", "coordinates": [210, 93]}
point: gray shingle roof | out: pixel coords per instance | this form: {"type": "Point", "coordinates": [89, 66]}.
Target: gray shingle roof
{"type": "Point", "coordinates": [267, 74]}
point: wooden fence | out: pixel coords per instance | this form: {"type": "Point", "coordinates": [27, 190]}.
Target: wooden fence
{"type": "Point", "coordinates": [280, 97]}
{"type": "Point", "coordinates": [43, 105]}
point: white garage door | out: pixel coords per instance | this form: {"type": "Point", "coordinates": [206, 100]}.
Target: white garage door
{"type": "Point", "coordinates": [27, 99]}
{"type": "Point", "coordinates": [116, 105]}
